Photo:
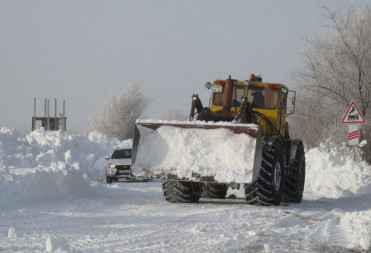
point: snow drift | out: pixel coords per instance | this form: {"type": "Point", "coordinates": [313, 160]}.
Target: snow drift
{"type": "Point", "coordinates": [335, 175]}
{"type": "Point", "coordinates": [45, 167]}
{"type": "Point", "coordinates": [48, 164]}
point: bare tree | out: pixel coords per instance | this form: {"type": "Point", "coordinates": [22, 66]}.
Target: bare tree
{"type": "Point", "coordinates": [336, 70]}
{"type": "Point", "coordinates": [338, 65]}
{"type": "Point", "coordinates": [117, 116]}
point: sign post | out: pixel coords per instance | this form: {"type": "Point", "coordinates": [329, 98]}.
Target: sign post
{"type": "Point", "coordinates": [353, 117]}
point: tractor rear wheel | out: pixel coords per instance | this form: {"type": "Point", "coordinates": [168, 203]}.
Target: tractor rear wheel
{"type": "Point", "coordinates": [214, 190]}
{"type": "Point", "coordinates": [176, 191]}
{"type": "Point", "coordinates": [268, 188]}
{"type": "Point", "coordinates": [294, 183]}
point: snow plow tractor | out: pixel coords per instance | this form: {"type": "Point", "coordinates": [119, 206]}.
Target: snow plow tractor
{"type": "Point", "coordinates": [241, 138]}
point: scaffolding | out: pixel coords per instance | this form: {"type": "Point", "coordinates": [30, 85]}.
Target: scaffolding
{"type": "Point", "coordinates": [50, 123]}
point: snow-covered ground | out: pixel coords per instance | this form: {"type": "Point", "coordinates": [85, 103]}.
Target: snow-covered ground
{"type": "Point", "coordinates": [53, 198]}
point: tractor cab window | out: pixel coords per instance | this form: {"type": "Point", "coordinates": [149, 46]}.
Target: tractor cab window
{"type": "Point", "coordinates": [238, 93]}
{"type": "Point", "coordinates": [262, 97]}
{"type": "Point", "coordinates": [218, 95]}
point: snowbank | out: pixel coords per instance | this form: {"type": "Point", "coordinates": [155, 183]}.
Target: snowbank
{"type": "Point", "coordinates": [334, 174]}
{"type": "Point", "coordinates": [48, 164]}
{"type": "Point", "coordinates": [44, 166]}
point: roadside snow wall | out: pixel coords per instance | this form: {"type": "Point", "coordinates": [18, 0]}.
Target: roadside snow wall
{"type": "Point", "coordinates": [49, 164]}
{"type": "Point", "coordinates": [335, 175]}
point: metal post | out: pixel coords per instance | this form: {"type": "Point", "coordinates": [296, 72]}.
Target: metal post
{"type": "Point", "coordinates": [354, 153]}
{"type": "Point", "coordinates": [34, 107]}
{"type": "Point", "coordinates": [45, 108]}
{"type": "Point", "coordinates": [64, 116]}
{"type": "Point", "coordinates": [48, 117]}
{"type": "Point", "coordinates": [34, 115]}
{"type": "Point", "coordinates": [55, 116]}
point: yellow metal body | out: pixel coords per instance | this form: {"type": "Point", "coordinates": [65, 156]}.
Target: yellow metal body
{"type": "Point", "coordinates": [277, 100]}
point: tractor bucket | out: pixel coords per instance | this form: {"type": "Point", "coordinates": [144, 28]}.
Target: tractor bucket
{"type": "Point", "coordinates": [195, 150]}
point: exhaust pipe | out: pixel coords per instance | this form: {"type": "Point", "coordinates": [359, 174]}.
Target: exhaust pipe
{"type": "Point", "coordinates": [228, 92]}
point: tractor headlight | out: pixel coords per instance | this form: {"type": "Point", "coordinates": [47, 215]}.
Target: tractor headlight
{"type": "Point", "coordinates": [208, 85]}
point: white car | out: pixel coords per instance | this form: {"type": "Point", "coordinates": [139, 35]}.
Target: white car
{"type": "Point", "coordinates": [118, 165]}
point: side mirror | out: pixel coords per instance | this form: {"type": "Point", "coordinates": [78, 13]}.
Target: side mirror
{"type": "Point", "coordinates": [291, 109]}
{"type": "Point", "coordinates": [106, 157]}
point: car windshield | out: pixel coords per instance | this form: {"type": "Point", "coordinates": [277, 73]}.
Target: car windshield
{"type": "Point", "coordinates": [121, 154]}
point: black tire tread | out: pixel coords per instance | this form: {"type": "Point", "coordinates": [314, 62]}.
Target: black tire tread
{"type": "Point", "coordinates": [214, 190]}
{"type": "Point", "coordinates": [176, 191]}
{"type": "Point", "coordinates": [292, 193]}
{"type": "Point", "coordinates": [261, 192]}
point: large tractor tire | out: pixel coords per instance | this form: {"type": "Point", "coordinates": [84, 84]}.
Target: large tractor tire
{"type": "Point", "coordinates": [268, 188]}
{"type": "Point", "coordinates": [294, 183]}
{"type": "Point", "coordinates": [214, 190]}
{"type": "Point", "coordinates": [181, 191]}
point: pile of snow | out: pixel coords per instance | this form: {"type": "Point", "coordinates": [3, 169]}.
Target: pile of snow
{"type": "Point", "coordinates": [43, 166]}
{"type": "Point", "coordinates": [54, 244]}
{"type": "Point", "coordinates": [334, 174]}
{"type": "Point", "coordinates": [184, 152]}
{"type": "Point", "coordinates": [49, 164]}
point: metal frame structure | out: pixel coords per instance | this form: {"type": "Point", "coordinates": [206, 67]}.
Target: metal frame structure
{"type": "Point", "coordinates": [50, 123]}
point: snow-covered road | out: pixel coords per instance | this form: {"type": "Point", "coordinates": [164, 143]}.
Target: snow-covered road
{"type": "Point", "coordinates": [53, 198]}
{"type": "Point", "coordinates": [134, 217]}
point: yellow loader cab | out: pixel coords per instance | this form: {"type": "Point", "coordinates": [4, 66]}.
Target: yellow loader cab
{"type": "Point", "coordinates": [268, 99]}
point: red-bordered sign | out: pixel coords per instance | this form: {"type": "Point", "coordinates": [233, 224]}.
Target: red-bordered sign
{"type": "Point", "coordinates": [353, 115]}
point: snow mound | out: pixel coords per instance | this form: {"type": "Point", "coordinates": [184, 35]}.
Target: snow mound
{"type": "Point", "coordinates": [49, 164]}
{"type": "Point", "coordinates": [12, 233]}
{"type": "Point", "coordinates": [54, 244]}
{"type": "Point", "coordinates": [334, 174]}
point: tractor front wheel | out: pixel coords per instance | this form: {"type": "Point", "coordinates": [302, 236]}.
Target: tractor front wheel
{"type": "Point", "coordinates": [268, 188]}
{"type": "Point", "coordinates": [294, 183]}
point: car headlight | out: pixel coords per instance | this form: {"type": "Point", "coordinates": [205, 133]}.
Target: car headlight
{"type": "Point", "coordinates": [111, 165]}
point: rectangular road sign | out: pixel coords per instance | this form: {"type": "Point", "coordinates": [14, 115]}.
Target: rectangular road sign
{"type": "Point", "coordinates": [353, 135]}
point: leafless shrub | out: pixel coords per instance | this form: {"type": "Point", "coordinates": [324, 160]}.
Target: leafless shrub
{"type": "Point", "coordinates": [118, 114]}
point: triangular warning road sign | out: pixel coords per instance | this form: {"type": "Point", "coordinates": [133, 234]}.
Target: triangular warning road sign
{"type": "Point", "coordinates": [353, 115]}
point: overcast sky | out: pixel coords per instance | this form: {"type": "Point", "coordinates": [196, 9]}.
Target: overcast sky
{"type": "Point", "coordinates": [86, 51]}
